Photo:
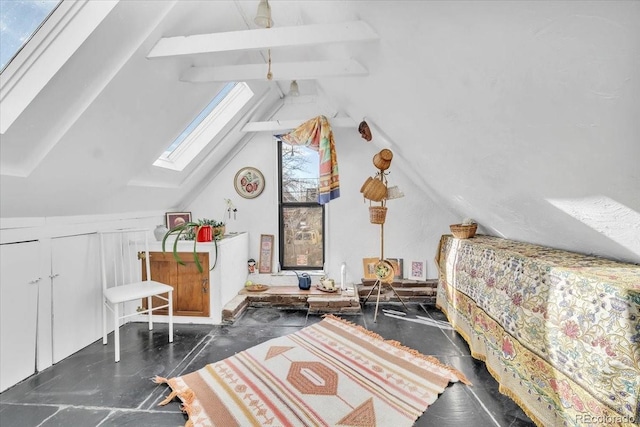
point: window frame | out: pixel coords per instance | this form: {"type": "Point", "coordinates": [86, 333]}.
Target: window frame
{"type": "Point", "coordinates": [282, 204]}
{"type": "Point", "coordinates": [187, 146]}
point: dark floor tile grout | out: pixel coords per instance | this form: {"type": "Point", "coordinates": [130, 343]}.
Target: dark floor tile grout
{"type": "Point", "coordinates": [479, 405]}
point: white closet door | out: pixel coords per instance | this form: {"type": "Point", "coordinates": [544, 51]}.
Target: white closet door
{"type": "Point", "coordinates": [76, 294]}
{"type": "Point", "coordinates": [18, 311]}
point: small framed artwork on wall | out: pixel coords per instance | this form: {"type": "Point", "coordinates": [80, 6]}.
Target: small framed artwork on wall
{"type": "Point", "coordinates": [266, 253]}
{"type": "Point", "coordinates": [418, 270]}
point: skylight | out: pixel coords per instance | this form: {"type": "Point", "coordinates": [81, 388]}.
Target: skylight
{"type": "Point", "coordinates": [19, 21]}
{"type": "Point", "coordinates": [204, 128]}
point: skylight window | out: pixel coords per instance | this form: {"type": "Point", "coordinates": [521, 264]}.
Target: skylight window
{"type": "Point", "coordinates": [19, 21]}
{"type": "Point", "coordinates": [204, 128]}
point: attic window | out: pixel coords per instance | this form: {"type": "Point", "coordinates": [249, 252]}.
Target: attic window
{"type": "Point", "coordinates": [206, 126]}
{"type": "Point", "coordinates": [19, 21]}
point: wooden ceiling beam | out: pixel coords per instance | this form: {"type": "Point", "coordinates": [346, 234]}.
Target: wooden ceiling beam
{"type": "Point", "coordinates": [281, 71]}
{"type": "Point", "coordinates": [263, 38]}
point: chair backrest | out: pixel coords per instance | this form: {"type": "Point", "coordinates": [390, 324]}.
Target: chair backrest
{"type": "Point", "coordinates": [120, 253]}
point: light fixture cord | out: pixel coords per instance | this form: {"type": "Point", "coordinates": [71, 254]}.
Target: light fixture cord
{"type": "Point", "coordinates": [269, 73]}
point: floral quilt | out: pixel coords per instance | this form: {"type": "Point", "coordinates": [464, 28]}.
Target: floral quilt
{"type": "Point", "coordinates": [559, 331]}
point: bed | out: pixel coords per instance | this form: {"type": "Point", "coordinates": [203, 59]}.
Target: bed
{"type": "Point", "coordinates": [558, 330]}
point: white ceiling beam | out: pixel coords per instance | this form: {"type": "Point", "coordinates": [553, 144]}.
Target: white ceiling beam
{"type": "Point", "coordinates": [281, 71]}
{"type": "Point", "coordinates": [354, 31]}
{"type": "Point", "coordinates": [277, 125]}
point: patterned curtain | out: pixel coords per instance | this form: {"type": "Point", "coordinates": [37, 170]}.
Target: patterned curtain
{"type": "Point", "coordinates": [317, 135]}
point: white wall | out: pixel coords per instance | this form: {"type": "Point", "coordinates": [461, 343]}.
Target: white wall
{"type": "Point", "coordinates": [522, 114]}
{"type": "Point", "coordinates": [414, 223]}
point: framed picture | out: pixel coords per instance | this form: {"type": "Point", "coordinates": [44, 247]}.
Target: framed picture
{"type": "Point", "coordinates": [369, 267]}
{"type": "Point", "coordinates": [174, 219]}
{"type": "Point", "coordinates": [249, 182]}
{"type": "Point", "coordinates": [418, 270]}
{"type": "Point", "coordinates": [266, 253]}
{"type": "Point", "coordinates": [398, 267]}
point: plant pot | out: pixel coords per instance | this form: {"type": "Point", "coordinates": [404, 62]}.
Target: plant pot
{"type": "Point", "coordinates": [204, 233]}
{"type": "Point", "coordinates": [218, 232]}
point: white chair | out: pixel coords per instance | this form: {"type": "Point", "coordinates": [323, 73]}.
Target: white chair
{"type": "Point", "coordinates": [125, 278]}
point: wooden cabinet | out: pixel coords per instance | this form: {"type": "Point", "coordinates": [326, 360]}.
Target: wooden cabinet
{"type": "Point", "coordinates": [190, 287]}
{"type": "Point", "coordinates": [202, 295]}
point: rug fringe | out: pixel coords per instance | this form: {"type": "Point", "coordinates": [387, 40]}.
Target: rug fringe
{"type": "Point", "coordinates": [159, 380]}
{"type": "Point", "coordinates": [463, 379]}
{"type": "Point", "coordinates": [187, 397]}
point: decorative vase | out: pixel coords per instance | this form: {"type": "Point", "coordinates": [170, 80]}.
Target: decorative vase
{"type": "Point", "coordinates": [160, 231]}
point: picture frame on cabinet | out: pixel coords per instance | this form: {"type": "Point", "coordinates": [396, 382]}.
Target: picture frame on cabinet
{"type": "Point", "coordinates": [176, 219]}
{"type": "Point", "coordinates": [417, 270]}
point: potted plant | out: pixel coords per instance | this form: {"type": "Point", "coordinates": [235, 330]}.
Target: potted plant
{"type": "Point", "coordinates": [190, 231]}
{"type": "Point", "coordinates": [217, 227]}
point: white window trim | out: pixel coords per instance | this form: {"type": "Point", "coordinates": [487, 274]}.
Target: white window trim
{"type": "Point", "coordinates": [208, 129]}
{"type": "Point", "coordinates": [47, 51]}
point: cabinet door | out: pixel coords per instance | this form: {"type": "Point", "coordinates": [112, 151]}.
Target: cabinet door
{"type": "Point", "coordinates": [190, 287]}
{"type": "Point", "coordinates": [76, 294]}
{"type": "Point", "coordinates": [18, 312]}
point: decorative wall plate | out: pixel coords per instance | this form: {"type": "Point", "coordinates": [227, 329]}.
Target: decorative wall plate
{"type": "Point", "coordinates": [249, 182]}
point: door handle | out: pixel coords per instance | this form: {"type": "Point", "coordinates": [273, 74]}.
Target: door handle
{"type": "Point", "coordinates": [34, 281]}
{"type": "Point", "coordinates": [204, 285]}
{"type": "Point", "coordinates": [53, 276]}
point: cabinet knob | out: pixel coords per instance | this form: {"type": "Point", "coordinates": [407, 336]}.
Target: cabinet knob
{"type": "Point", "coordinates": [204, 285]}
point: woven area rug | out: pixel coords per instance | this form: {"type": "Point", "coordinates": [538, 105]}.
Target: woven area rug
{"type": "Point", "coordinates": [332, 373]}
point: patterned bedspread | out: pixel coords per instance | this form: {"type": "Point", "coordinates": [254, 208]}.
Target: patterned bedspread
{"type": "Point", "coordinates": [558, 330]}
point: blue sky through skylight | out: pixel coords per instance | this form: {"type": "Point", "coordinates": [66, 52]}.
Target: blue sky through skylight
{"type": "Point", "coordinates": [19, 20]}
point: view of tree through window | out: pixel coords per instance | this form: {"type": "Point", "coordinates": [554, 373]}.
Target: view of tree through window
{"type": "Point", "coordinates": [301, 217]}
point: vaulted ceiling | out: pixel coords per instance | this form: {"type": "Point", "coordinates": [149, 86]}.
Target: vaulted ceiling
{"type": "Point", "coordinates": [523, 113]}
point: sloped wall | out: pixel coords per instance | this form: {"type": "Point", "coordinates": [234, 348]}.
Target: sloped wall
{"type": "Point", "coordinates": [522, 115]}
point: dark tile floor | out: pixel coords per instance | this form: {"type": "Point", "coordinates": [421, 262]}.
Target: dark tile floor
{"type": "Point", "coordinates": [89, 389]}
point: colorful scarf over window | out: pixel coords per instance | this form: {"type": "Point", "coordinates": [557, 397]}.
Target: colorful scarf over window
{"type": "Point", "coordinates": [317, 135]}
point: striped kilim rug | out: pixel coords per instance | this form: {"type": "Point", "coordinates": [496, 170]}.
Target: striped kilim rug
{"type": "Point", "coordinates": [332, 373]}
